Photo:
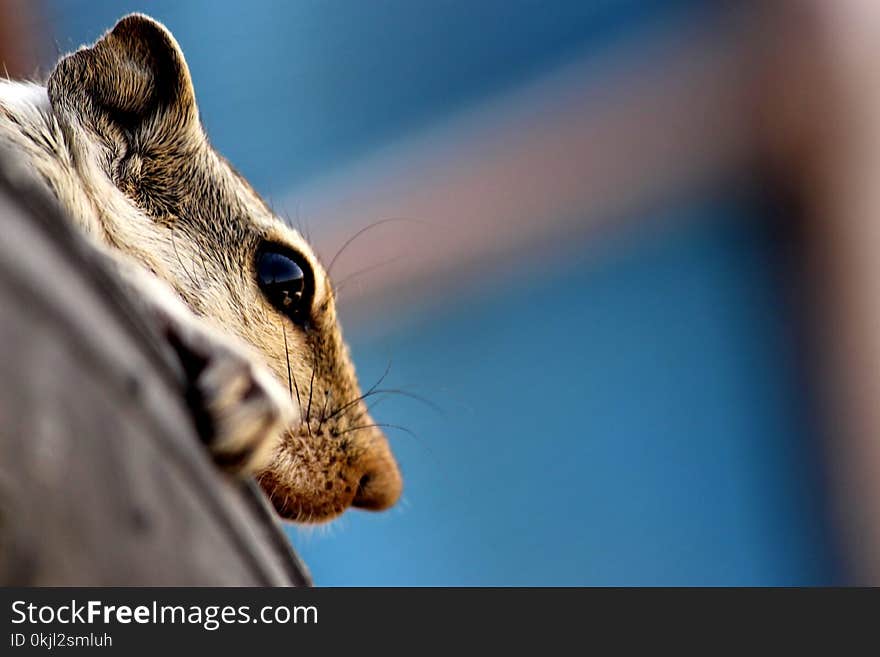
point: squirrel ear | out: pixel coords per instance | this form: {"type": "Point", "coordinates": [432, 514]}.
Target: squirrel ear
{"type": "Point", "coordinates": [134, 78]}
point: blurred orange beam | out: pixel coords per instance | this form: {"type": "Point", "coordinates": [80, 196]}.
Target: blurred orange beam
{"type": "Point", "coordinates": [20, 47]}
{"type": "Point", "coordinates": [823, 129]}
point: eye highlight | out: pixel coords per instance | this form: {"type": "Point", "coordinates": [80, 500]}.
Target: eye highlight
{"type": "Point", "coordinates": [284, 279]}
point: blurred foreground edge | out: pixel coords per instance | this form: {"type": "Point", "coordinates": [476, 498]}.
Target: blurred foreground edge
{"type": "Point", "coordinates": [102, 479]}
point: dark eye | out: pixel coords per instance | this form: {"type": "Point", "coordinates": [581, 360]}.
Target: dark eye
{"type": "Point", "coordinates": [282, 278]}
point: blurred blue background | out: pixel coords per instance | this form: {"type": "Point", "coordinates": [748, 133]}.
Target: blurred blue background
{"type": "Point", "coordinates": [628, 412]}
{"type": "Point", "coordinates": [632, 419]}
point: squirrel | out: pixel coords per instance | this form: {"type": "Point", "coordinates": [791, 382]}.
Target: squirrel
{"type": "Point", "coordinates": [240, 296]}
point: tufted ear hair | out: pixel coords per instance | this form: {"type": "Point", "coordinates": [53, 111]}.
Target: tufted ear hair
{"type": "Point", "coordinates": [133, 80]}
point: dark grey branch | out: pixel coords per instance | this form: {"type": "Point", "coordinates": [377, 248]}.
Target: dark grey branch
{"type": "Point", "coordinates": [102, 478]}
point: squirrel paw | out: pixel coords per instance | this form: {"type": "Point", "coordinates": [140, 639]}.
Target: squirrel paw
{"type": "Point", "coordinates": [238, 406]}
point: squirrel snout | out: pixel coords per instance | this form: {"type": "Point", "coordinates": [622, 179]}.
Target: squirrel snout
{"type": "Point", "coordinates": [380, 485]}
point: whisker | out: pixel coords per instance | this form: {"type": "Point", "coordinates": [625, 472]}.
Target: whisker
{"type": "Point", "coordinates": [381, 425]}
{"type": "Point", "coordinates": [391, 391]}
{"type": "Point", "coordinates": [360, 272]}
{"type": "Point", "coordinates": [410, 395]}
{"type": "Point", "coordinates": [290, 378]}
{"type": "Point", "coordinates": [369, 392]}
{"type": "Point", "coordinates": [367, 409]}
{"type": "Point", "coordinates": [327, 395]}
{"type": "Point", "coordinates": [366, 229]}
{"type": "Point", "coordinates": [312, 384]}
{"type": "Point", "coordinates": [287, 354]}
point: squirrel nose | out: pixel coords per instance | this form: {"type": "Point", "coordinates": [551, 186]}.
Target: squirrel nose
{"type": "Point", "coordinates": [379, 487]}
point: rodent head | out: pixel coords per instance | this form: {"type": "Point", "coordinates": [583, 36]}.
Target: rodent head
{"type": "Point", "coordinates": [128, 101]}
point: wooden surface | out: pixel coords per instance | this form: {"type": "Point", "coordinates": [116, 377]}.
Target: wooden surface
{"type": "Point", "coordinates": [102, 480]}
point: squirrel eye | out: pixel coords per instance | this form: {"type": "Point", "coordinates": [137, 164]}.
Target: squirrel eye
{"type": "Point", "coordinates": [283, 281]}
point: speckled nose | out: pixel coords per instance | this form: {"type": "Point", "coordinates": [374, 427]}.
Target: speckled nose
{"type": "Point", "coordinates": [380, 484]}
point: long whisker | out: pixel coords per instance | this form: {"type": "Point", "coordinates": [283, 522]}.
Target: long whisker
{"type": "Point", "coordinates": [368, 409]}
{"type": "Point", "coordinates": [287, 355]}
{"type": "Point", "coordinates": [312, 385]}
{"type": "Point", "coordinates": [290, 378]}
{"type": "Point", "coordinates": [382, 425]}
{"type": "Point", "coordinates": [327, 395]}
{"type": "Point", "coordinates": [366, 229]}
{"type": "Point", "coordinates": [410, 395]}
{"type": "Point", "coordinates": [390, 391]}
{"type": "Point", "coordinates": [381, 378]}
{"type": "Point", "coordinates": [369, 392]}
{"type": "Point", "coordinates": [360, 272]}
